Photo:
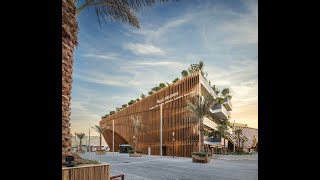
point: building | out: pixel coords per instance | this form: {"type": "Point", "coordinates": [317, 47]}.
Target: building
{"type": "Point", "coordinates": [171, 103]}
{"type": "Point", "coordinates": [251, 134]}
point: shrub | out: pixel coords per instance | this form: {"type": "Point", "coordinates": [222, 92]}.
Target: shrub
{"type": "Point", "coordinates": [134, 151]}
{"type": "Point", "coordinates": [239, 153]}
{"type": "Point", "coordinates": [201, 154]}
{"type": "Point", "coordinates": [100, 150]}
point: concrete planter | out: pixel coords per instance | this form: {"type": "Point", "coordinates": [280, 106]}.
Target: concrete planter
{"type": "Point", "coordinates": [135, 154]}
{"type": "Point", "coordinates": [96, 172]}
{"type": "Point", "coordinates": [206, 159]}
{"type": "Point", "coordinates": [100, 152]}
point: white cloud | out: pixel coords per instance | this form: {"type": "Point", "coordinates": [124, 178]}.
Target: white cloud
{"type": "Point", "coordinates": [159, 63]}
{"type": "Point", "coordinates": [109, 56]}
{"type": "Point", "coordinates": [144, 49]}
{"type": "Point", "coordinates": [102, 78]}
{"type": "Point", "coordinates": [157, 33]}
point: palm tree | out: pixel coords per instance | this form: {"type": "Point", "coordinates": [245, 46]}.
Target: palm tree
{"type": "Point", "coordinates": [111, 112]}
{"type": "Point", "coordinates": [137, 99]}
{"type": "Point", "coordinates": [119, 10]}
{"type": "Point", "coordinates": [100, 131]}
{"type": "Point", "coordinates": [138, 126]}
{"type": "Point", "coordinates": [142, 96]}
{"type": "Point", "coordinates": [200, 109]}
{"type": "Point", "coordinates": [184, 73]}
{"type": "Point", "coordinates": [238, 133]}
{"type": "Point", "coordinates": [150, 92]}
{"type": "Point", "coordinates": [222, 133]}
{"type": "Point", "coordinates": [80, 136]}
{"type": "Point", "coordinates": [243, 140]}
{"type": "Point", "coordinates": [197, 67]}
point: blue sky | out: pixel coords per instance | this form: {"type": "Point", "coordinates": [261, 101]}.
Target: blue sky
{"type": "Point", "coordinates": [115, 63]}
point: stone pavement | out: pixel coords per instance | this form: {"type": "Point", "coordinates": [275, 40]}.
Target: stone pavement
{"type": "Point", "coordinates": [221, 167]}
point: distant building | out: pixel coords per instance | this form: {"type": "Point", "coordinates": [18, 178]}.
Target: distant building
{"type": "Point", "coordinates": [250, 133]}
{"type": "Point", "coordinates": [240, 125]}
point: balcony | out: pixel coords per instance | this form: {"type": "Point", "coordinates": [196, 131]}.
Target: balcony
{"type": "Point", "coordinates": [210, 124]}
{"type": "Point", "coordinates": [220, 112]}
{"type": "Point", "coordinates": [227, 104]}
{"type": "Point", "coordinates": [205, 86]}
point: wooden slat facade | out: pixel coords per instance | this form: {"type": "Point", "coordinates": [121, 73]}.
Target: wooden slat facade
{"type": "Point", "coordinates": [175, 118]}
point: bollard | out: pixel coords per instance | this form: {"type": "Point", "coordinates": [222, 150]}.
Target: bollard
{"type": "Point", "coordinates": [149, 151]}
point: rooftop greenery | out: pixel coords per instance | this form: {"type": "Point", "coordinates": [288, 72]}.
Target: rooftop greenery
{"type": "Point", "coordinates": [199, 67]}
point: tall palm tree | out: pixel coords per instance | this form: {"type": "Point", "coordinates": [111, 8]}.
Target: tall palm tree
{"type": "Point", "coordinates": [119, 10]}
{"type": "Point", "coordinates": [243, 140]}
{"type": "Point", "coordinates": [238, 133]}
{"type": "Point", "coordinates": [142, 96]}
{"type": "Point", "coordinates": [138, 126]}
{"type": "Point", "coordinates": [222, 133]}
{"type": "Point", "coordinates": [99, 130]}
{"type": "Point", "coordinates": [200, 109]}
{"type": "Point", "coordinates": [80, 136]}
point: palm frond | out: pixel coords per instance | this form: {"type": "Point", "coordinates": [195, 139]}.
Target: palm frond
{"type": "Point", "coordinates": [200, 108]}
{"type": "Point", "coordinates": [98, 129]}
{"type": "Point", "coordinates": [119, 10]}
{"type": "Point", "coordinates": [80, 135]}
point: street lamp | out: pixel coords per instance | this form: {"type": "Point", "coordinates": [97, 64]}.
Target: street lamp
{"type": "Point", "coordinates": [172, 144]}
{"type": "Point", "coordinates": [134, 142]}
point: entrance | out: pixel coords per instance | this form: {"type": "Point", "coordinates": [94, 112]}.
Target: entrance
{"type": "Point", "coordinates": [124, 148]}
{"type": "Point", "coordinates": [164, 150]}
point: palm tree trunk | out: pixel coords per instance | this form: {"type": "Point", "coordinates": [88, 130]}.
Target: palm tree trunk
{"type": "Point", "coordinates": [69, 42]}
{"type": "Point", "coordinates": [239, 145]}
{"type": "Point", "coordinates": [201, 136]}
{"type": "Point", "coordinates": [80, 148]}
{"type": "Point", "coordinates": [100, 141]}
{"type": "Point", "coordinates": [224, 144]}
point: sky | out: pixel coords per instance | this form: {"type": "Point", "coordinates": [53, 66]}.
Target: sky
{"type": "Point", "coordinates": [116, 62]}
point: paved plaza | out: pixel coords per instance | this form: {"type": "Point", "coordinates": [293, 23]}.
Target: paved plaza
{"type": "Point", "coordinates": [221, 167]}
